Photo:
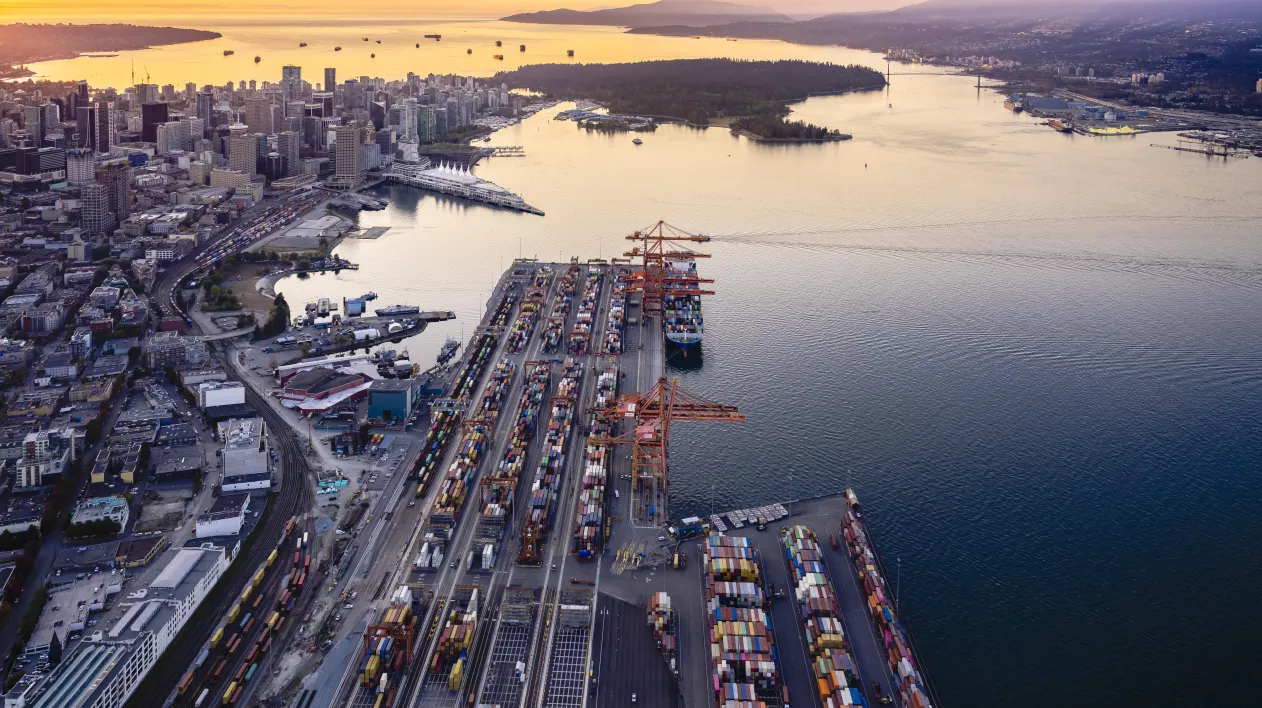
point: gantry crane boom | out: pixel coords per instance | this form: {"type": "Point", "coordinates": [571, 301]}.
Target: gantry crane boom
{"type": "Point", "coordinates": [651, 414]}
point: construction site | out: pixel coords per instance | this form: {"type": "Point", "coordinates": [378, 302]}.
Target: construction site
{"type": "Point", "coordinates": [537, 542]}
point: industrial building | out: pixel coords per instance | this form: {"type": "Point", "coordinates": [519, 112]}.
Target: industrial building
{"type": "Point", "coordinates": [391, 399]}
{"type": "Point", "coordinates": [225, 517]}
{"type": "Point", "coordinates": [245, 455]}
{"type": "Point", "coordinates": [109, 663]}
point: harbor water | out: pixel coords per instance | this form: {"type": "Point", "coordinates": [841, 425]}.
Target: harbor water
{"type": "Point", "coordinates": [1037, 357]}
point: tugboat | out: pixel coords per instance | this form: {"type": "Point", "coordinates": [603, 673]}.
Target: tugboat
{"type": "Point", "coordinates": [450, 347]}
{"type": "Point", "coordinates": [228, 52]}
{"type": "Point", "coordinates": [370, 296]}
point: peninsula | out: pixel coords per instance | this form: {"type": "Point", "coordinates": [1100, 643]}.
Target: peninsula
{"type": "Point", "coordinates": [662, 12]}
{"type": "Point", "coordinates": [701, 91]}
{"type": "Point", "coordinates": [23, 43]}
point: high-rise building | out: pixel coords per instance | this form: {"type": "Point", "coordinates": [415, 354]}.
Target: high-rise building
{"type": "Point", "coordinates": [347, 158]}
{"type": "Point", "coordinates": [151, 116]}
{"type": "Point", "coordinates": [325, 102]}
{"type": "Point", "coordinates": [104, 126]}
{"type": "Point", "coordinates": [34, 120]}
{"type": "Point", "coordinates": [330, 80]}
{"type": "Point", "coordinates": [82, 92]}
{"type": "Point", "coordinates": [377, 113]}
{"type": "Point", "coordinates": [425, 124]}
{"type": "Point", "coordinates": [245, 152]}
{"type": "Point", "coordinates": [409, 114]}
{"type": "Point", "coordinates": [205, 109]}
{"type": "Point", "coordinates": [258, 115]}
{"type": "Point", "coordinates": [95, 216]}
{"type": "Point", "coordinates": [290, 81]}
{"type": "Point", "coordinates": [85, 126]}
{"type": "Point", "coordinates": [353, 92]}
{"type": "Point", "coordinates": [146, 93]}
{"type": "Point", "coordinates": [116, 176]}
{"type": "Point", "coordinates": [287, 147]}
{"type": "Point", "coordinates": [80, 166]}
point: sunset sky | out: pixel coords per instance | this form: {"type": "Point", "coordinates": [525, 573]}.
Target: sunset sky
{"type": "Point", "coordinates": [206, 14]}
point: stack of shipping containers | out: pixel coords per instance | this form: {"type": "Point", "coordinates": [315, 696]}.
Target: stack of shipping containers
{"type": "Point", "coordinates": [743, 659]}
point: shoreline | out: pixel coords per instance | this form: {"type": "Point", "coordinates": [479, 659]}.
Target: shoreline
{"type": "Point", "coordinates": [19, 67]}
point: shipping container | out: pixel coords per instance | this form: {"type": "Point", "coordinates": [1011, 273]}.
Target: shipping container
{"type": "Point", "coordinates": [185, 683]}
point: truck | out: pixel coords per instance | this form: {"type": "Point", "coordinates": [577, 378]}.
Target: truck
{"type": "Point", "coordinates": [832, 539]}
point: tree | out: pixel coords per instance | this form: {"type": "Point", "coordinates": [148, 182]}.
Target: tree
{"type": "Point", "coordinates": [172, 375]}
{"type": "Point", "coordinates": [133, 354]}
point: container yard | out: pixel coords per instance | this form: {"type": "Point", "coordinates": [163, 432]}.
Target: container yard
{"type": "Point", "coordinates": [836, 677]}
{"type": "Point", "coordinates": [387, 649]}
{"type": "Point", "coordinates": [550, 473]}
{"type": "Point", "coordinates": [571, 586]}
{"type": "Point", "coordinates": [743, 663]}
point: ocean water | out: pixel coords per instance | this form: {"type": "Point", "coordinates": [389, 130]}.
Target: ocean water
{"type": "Point", "coordinates": [1037, 357]}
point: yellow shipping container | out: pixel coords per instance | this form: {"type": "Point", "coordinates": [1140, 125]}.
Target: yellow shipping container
{"type": "Point", "coordinates": [457, 675]}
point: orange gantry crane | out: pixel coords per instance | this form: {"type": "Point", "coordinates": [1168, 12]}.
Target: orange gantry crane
{"type": "Point", "coordinates": [659, 245]}
{"type": "Point", "coordinates": [651, 413]}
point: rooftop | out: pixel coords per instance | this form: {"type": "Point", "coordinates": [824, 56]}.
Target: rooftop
{"type": "Point", "coordinates": [227, 505]}
{"type": "Point", "coordinates": [100, 554]}
{"type": "Point", "coordinates": [242, 433]}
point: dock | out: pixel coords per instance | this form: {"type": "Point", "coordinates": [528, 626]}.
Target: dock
{"type": "Point", "coordinates": [526, 537]}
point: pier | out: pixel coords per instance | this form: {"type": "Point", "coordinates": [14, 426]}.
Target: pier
{"type": "Point", "coordinates": [458, 182]}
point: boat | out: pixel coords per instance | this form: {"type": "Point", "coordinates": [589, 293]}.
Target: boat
{"type": "Point", "coordinates": [522, 47]}
{"type": "Point", "coordinates": [379, 41]}
{"type": "Point", "coordinates": [337, 49]}
{"type": "Point", "coordinates": [468, 51]}
{"type": "Point", "coordinates": [569, 52]}
{"type": "Point", "coordinates": [365, 39]}
{"type": "Point", "coordinates": [637, 141]}
{"type": "Point", "coordinates": [393, 310]}
{"type": "Point", "coordinates": [500, 57]}
{"type": "Point", "coordinates": [434, 36]}
{"type": "Point", "coordinates": [257, 59]}
{"type": "Point", "coordinates": [1014, 104]}
{"type": "Point", "coordinates": [450, 347]}
{"type": "Point", "coordinates": [681, 317]}
{"type": "Point", "coordinates": [372, 56]}
{"type": "Point", "coordinates": [370, 296]}
{"type": "Point", "coordinates": [302, 44]}
{"type": "Point", "coordinates": [418, 45]}
{"type": "Point", "coordinates": [498, 43]}
{"type": "Point", "coordinates": [1060, 126]}
{"type": "Point", "coordinates": [228, 52]}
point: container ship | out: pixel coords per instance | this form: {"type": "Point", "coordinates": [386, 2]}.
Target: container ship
{"type": "Point", "coordinates": [593, 500]}
{"type": "Point", "coordinates": [228, 52]}
{"type": "Point", "coordinates": [581, 336]}
{"type": "Point", "coordinates": [547, 483]}
{"type": "Point", "coordinates": [661, 617]}
{"type": "Point", "coordinates": [499, 486]}
{"type": "Point", "coordinates": [531, 307]}
{"type": "Point", "coordinates": [743, 661]}
{"type": "Point", "coordinates": [837, 680]}
{"type": "Point", "coordinates": [1060, 126]}
{"type": "Point", "coordinates": [899, 658]}
{"type": "Point", "coordinates": [561, 302]}
{"type": "Point", "coordinates": [394, 310]}
{"type": "Point", "coordinates": [682, 318]}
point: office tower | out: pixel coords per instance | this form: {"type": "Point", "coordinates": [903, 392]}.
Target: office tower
{"type": "Point", "coordinates": [190, 92]}
{"type": "Point", "coordinates": [273, 168]}
{"type": "Point", "coordinates": [330, 80]}
{"type": "Point", "coordinates": [116, 176]}
{"type": "Point", "coordinates": [354, 94]}
{"type": "Point", "coordinates": [80, 166]}
{"type": "Point", "coordinates": [287, 146]}
{"type": "Point", "coordinates": [146, 93]}
{"type": "Point", "coordinates": [85, 132]}
{"type": "Point", "coordinates": [104, 126]}
{"type": "Point", "coordinates": [205, 109]}
{"type": "Point", "coordinates": [377, 113]}
{"type": "Point", "coordinates": [290, 81]}
{"type": "Point", "coordinates": [325, 100]}
{"type": "Point", "coordinates": [33, 119]}
{"type": "Point", "coordinates": [95, 215]}
{"type": "Point", "coordinates": [258, 115]}
{"type": "Point", "coordinates": [82, 88]}
{"type": "Point", "coordinates": [246, 152]}
{"type": "Point", "coordinates": [295, 108]}
{"type": "Point", "coordinates": [151, 116]}
{"type": "Point", "coordinates": [409, 114]}
{"type": "Point", "coordinates": [425, 130]}
{"type": "Point", "coordinates": [347, 172]}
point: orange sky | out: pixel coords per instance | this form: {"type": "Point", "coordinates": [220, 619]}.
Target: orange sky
{"type": "Point", "coordinates": [207, 14]}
